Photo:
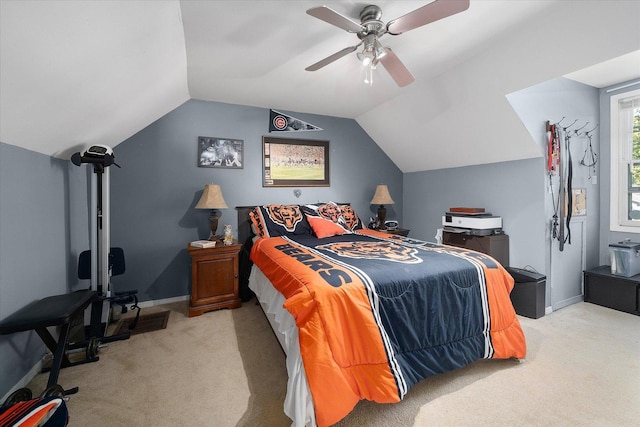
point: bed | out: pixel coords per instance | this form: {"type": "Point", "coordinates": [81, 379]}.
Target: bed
{"type": "Point", "coordinates": [363, 314]}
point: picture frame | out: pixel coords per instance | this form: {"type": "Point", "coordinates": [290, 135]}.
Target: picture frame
{"type": "Point", "coordinates": [288, 162]}
{"type": "Point", "coordinates": [226, 153]}
{"type": "Point", "coordinates": [579, 202]}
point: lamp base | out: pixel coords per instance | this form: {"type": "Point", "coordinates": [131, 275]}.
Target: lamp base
{"type": "Point", "coordinates": [213, 222]}
{"type": "Point", "coordinates": [382, 215]}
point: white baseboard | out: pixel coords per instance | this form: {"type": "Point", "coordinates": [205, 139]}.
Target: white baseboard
{"type": "Point", "coordinates": [26, 380]}
{"type": "Point", "coordinates": [567, 302]}
{"type": "Point", "coordinates": [548, 310]}
{"type": "Point", "coordinates": [153, 303]}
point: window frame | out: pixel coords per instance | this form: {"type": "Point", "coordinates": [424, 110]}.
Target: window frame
{"type": "Point", "coordinates": [621, 159]}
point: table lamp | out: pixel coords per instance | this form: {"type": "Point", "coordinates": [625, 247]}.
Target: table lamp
{"type": "Point", "coordinates": [382, 197]}
{"type": "Point", "coordinates": [212, 199]}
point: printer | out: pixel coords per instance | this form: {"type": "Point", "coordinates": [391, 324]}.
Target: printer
{"type": "Point", "coordinates": [476, 224]}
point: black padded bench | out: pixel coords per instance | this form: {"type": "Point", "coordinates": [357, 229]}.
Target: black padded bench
{"type": "Point", "coordinates": [58, 310]}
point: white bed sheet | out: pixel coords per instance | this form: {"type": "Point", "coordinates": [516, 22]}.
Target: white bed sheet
{"type": "Point", "coordinates": [298, 404]}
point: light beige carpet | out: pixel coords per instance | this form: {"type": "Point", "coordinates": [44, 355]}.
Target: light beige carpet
{"type": "Point", "coordinates": [225, 368]}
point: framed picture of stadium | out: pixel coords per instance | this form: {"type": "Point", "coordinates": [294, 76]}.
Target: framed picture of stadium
{"type": "Point", "coordinates": [294, 162]}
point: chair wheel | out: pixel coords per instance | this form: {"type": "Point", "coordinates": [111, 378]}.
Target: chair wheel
{"type": "Point", "coordinates": [19, 395]}
{"type": "Point", "coordinates": [55, 390]}
{"type": "Point", "coordinates": [93, 348]}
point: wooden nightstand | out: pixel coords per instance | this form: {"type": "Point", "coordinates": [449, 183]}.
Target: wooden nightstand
{"type": "Point", "coordinates": [496, 245]}
{"type": "Point", "coordinates": [214, 278]}
{"type": "Point", "coordinates": [399, 231]}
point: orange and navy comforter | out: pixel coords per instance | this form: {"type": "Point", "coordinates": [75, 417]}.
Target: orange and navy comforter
{"type": "Point", "coordinates": [377, 313]}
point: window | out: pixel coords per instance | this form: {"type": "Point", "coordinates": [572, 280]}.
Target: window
{"type": "Point", "coordinates": [625, 162]}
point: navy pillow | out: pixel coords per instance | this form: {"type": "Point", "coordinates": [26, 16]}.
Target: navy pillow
{"type": "Point", "coordinates": [279, 220]}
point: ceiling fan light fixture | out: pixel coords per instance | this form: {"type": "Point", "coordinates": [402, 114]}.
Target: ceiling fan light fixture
{"type": "Point", "coordinates": [379, 50]}
{"type": "Point", "coordinates": [366, 57]}
{"type": "Point", "coordinates": [372, 52]}
{"type": "Point", "coordinates": [368, 74]}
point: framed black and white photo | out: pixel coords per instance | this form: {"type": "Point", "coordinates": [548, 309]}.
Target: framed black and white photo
{"type": "Point", "coordinates": [220, 152]}
{"type": "Point", "coordinates": [294, 162]}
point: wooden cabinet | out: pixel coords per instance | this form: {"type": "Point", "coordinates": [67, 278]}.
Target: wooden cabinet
{"type": "Point", "coordinates": [617, 292]}
{"type": "Point", "coordinates": [399, 231]}
{"type": "Point", "coordinates": [496, 246]}
{"type": "Point", "coordinates": [214, 278]}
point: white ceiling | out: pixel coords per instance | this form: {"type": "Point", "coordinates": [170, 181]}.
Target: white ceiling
{"type": "Point", "coordinates": [74, 73]}
{"type": "Point", "coordinates": [611, 72]}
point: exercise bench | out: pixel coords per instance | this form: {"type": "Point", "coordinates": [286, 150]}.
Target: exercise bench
{"type": "Point", "coordinates": [58, 310]}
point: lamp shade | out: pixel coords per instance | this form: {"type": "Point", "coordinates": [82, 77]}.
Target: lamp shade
{"type": "Point", "coordinates": [382, 196]}
{"type": "Point", "coordinates": [211, 198]}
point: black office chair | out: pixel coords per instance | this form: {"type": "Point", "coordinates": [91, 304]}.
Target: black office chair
{"type": "Point", "coordinates": [116, 268]}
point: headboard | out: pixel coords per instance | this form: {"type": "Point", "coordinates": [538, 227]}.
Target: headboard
{"type": "Point", "coordinates": [244, 223]}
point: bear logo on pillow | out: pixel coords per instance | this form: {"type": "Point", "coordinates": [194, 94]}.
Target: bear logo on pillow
{"type": "Point", "coordinates": [329, 219]}
{"type": "Point", "coordinates": [330, 211]}
{"type": "Point", "coordinates": [279, 220]}
{"type": "Point", "coordinates": [286, 215]}
{"type": "Point", "coordinates": [351, 219]}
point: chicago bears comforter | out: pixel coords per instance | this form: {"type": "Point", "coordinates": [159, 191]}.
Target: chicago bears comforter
{"type": "Point", "coordinates": [377, 313]}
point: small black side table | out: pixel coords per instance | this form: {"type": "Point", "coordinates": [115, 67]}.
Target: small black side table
{"type": "Point", "coordinates": [617, 292]}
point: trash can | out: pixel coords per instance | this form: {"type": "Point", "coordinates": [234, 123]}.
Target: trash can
{"type": "Point", "coordinates": [528, 293]}
{"type": "Point", "coordinates": [625, 258]}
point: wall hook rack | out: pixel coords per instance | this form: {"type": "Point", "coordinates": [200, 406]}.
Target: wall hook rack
{"type": "Point", "coordinates": [548, 125]}
{"type": "Point", "coordinates": [589, 131]}
{"type": "Point", "coordinates": [565, 128]}
{"type": "Point", "coordinates": [582, 127]}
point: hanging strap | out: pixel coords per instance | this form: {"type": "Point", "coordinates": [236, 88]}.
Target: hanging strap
{"type": "Point", "coordinates": [552, 133]}
{"type": "Point", "coordinates": [569, 189]}
{"type": "Point", "coordinates": [561, 195]}
{"type": "Point", "coordinates": [552, 165]}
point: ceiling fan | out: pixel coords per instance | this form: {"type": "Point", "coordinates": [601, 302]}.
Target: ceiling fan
{"type": "Point", "coordinates": [370, 29]}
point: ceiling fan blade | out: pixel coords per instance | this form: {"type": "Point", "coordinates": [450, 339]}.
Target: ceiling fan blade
{"type": "Point", "coordinates": [426, 14]}
{"type": "Point", "coordinates": [334, 18]}
{"type": "Point", "coordinates": [396, 68]}
{"type": "Point", "coordinates": [329, 59]}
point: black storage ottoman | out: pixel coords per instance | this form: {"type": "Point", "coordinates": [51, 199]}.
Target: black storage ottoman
{"type": "Point", "coordinates": [528, 293]}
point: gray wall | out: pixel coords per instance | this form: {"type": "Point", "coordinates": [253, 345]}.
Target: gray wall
{"type": "Point", "coordinates": [518, 191]}
{"type": "Point", "coordinates": [39, 234]}
{"type": "Point", "coordinates": [512, 190]}
{"type": "Point", "coordinates": [606, 235]}
{"type": "Point", "coordinates": [154, 193]}
{"type": "Point", "coordinates": [575, 106]}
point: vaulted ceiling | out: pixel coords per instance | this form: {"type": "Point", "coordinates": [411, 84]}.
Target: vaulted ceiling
{"type": "Point", "coordinates": [74, 73]}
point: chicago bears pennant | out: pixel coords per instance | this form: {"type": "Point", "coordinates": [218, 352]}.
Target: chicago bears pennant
{"type": "Point", "coordinates": [279, 122]}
